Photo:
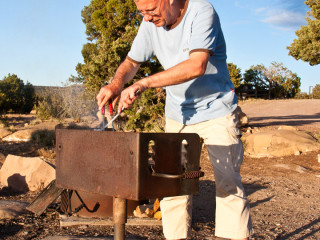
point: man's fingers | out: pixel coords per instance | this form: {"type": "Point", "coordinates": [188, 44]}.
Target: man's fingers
{"type": "Point", "coordinates": [103, 97]}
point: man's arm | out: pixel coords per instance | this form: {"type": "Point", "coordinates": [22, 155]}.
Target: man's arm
{"type": "Point", "coordinates": [125, 73]}
{"type": "Point", "coordinates": [194, 67]}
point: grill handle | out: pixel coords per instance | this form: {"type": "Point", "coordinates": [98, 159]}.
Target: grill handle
{"type": "Point", "coordinates": [187, 175]}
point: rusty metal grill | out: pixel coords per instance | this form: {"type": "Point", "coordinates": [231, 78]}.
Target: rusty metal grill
{"type": "Point", "coordinates": [122, 165]}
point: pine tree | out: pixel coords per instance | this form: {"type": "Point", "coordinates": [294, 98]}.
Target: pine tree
{"type": "Point", "coordinates": [307, 46]}
{"type": "Point", "coordinates": [235, 75]}
{"type": "Point", "coordinates": [278, 80]}
{"type": "Point", "coordinates": [111, 26]}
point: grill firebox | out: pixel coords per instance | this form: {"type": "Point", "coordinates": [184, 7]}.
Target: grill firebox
{"type": "Point", "coordinates": [135, 166]}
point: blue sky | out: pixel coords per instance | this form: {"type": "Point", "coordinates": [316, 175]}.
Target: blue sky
{"type": "Point", "coordinates": [41, 40]}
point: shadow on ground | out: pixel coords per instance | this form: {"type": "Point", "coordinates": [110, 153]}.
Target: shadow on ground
{"type": "Point", "coordinates": [204, 204]}
{"type": "Point", "coordinates": [292, 120]}
{"type": "Point", "coordinates": [300, 230]}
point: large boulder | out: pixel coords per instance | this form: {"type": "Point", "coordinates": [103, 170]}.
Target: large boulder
{"type": "Point", "coordinates": [278, 143]}
{"type": "Point", "coordinates": [2, 158]}
{"type": "Point", "coordinates": [20, 136]}
{"type": "Point", "coordinates": [24, 173]}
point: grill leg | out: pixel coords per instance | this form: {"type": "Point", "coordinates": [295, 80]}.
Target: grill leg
{"type": "Point", "coordinates": [119, 217]}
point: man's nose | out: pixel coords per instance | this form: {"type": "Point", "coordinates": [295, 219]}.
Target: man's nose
{"type": "Point", "coordinates": [147, 17]}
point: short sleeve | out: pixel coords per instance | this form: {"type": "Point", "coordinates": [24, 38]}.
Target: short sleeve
{"type": "Point", "coordinates": [205, 30]}
{"type": "Point", "coordinates": [141, 48]}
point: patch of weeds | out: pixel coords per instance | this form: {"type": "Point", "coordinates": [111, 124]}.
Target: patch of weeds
{"type": "Point", "coordinates": [244, 143]}
{"type": "Point", "coordinates": [44, 138]}
{"type": "Point", "coordinates": [4, 122]}
{"type": "Point", "coordinates": [35, 122]}
{"type": "Point", "coordinates": [46, 153]}
{"type": "Point", "coordinates": [12, 128]}
{"type": "Point", "coordinates": [317, 136]}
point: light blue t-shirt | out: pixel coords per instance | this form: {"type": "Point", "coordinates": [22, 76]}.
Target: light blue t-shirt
{"type": "Point", "coordinates": [207, 97]}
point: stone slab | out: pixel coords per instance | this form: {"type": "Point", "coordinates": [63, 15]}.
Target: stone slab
{"type": "Point", "coordinates": [12, 209]}
{"type": "Point", "coordinates": [66, 221]}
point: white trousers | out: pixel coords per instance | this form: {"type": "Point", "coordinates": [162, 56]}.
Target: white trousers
{"type": "Point", "coordinates": [222, 138]}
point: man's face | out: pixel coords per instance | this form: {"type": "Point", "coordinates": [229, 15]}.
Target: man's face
{"type": "Point", "coordinates": [153, 11]}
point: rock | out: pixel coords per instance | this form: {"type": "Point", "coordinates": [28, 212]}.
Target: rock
{"type": "Point", "coordinates": [4, 133]}
{"type": "Point", "coordinates": [297, 153]}
{"type": "Point", "coordinates": [12, 209]}
{"type": "Point", "coordinates": [285, 127]}
{"type": "Point", "coordinates": [292, 167]}
{"type": "Point", "coordinates": [83, 238]}
{"type": "Point", "coordinates": [318, 158]}
{"type": "Point", "coordinates": [279, 143]}
{"type": "Point", "coordinates": [20, 136]}
{"type": "Point", "coordinates": [249, 130]}
{"type": "Point", "coordinates": [300, 169]}
{"type": "Point", "coordinates": [25, 173]}
{"type": "Point", "coordinates": [243, 119]}
{"type": "Point", "coordinates": [2, 158]}
{"type": "Point", "coordinates": [285, 166]}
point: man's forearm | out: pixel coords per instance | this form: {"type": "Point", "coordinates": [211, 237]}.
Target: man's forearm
{"type": "Point", "coordinates": [185, 71]}
{"type": "Point", "coordinates": [125, 73]}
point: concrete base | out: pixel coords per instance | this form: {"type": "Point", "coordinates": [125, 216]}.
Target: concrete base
{"type": "Point", "coordinates": [81, 238]}
{"type": "Point", "coordinates": [131, 221]}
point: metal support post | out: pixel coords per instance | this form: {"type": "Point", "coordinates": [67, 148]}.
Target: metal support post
{"type": "Point", "coordinates": [119, 217]}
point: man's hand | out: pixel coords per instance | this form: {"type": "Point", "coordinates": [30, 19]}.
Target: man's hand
{"type": "Point", "coordinates": [108, 92]}
{"type": "Point", "coordinates": [130, 94]}
{"type": "Point", "coordinates": [124, 74]}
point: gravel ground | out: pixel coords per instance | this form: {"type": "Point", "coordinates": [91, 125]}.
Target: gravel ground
{"type": "Point", "coordinates": [284, 192]}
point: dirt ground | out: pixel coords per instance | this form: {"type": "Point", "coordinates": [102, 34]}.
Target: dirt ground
{"type": "Point", "coordinates": [284, 193]}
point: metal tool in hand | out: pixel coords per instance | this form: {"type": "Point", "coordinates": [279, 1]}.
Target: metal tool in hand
{"type": "Point", "coordinates": [103, 117]}
{"type": "Point", "coordinates": [118, 114]}
{"type": "Point", "coordinates": [103, 125]}
{"type": "Point", "coordinates": [114, 118]}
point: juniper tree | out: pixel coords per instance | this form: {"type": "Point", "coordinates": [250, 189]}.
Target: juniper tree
{"type": "Point", "coordinates": [235, 75]}
{"type": "Point", "coordinates": [277, 79]}
{"type": "Point", "coordinates": [307, 46]}
{"type": "Point", "coordinates": [111, 26]}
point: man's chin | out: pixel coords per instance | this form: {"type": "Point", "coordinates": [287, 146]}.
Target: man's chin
{"type": "Point", "coordinates": [159, 23]}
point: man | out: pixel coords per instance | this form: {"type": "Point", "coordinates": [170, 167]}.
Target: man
{"type": "Point", "coordinates": [186, 37]}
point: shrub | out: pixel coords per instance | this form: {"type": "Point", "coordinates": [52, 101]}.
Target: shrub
{"type": "Point", "coordinates": [302, 95]}
{"type": "Point", "coordinates": [44, 138]}
{"type": "Point", "coordinates": [316, 92]}
{"type": "Point", "coordinates": [147, 113]}
{"type": "Point", "coordinates": [64, 102]}
{"type": "Point", "coordinates": [4, 123]}
{"type": "Point", "coordinates": [15, 96]}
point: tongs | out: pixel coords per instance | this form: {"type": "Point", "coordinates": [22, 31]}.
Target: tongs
{"type": "Point", "coordinates": [104, 118]}
{"type": "Point", "coordinates": [111, 112]}
{"type": "Point", "coordinates": [112, 120]}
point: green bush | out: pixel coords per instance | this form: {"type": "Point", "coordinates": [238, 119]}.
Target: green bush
{"type": "Point", "coordinates": [43, 110]}
{"type": "Point", "coordinates": [316, 92]}
{"type": "Point", "coordinates": [302, 95]}
{"type": "Point", "coordinates": [317, 136]}
{"type": "Point", "coordinates": [4, 123]}
{"type": "Point", "coordinates": [147, 113]}
{"type": "Point", "coordinates": [15, 96]}
{"type": "Point", "coordinates": [44, 138]}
